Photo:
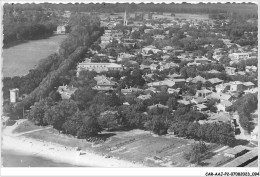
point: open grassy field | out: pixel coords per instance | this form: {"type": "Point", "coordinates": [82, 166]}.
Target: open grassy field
{"type": "Point", "coordinates": [135, 146]}
{"type": "Point", "coordinates": [19, 59]}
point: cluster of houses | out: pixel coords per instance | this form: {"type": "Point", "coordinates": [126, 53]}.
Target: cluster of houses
{"type": "Point", "coordinates": [104, 84]}
{"type": "Point", "coordinates": [108, 37]}
{"type": "Point", "coordinates": [224, 92]}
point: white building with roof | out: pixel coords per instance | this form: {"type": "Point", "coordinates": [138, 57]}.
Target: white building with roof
{"type": "Point", "coordinates": [66, 91]}
{"type": "Point", "coordinates": [200, 107]}
{"type": "Point", "coordinates": [61, 29]}
{"type": "Point", "coordinates": [248, 85]}
{"type": "Point", "coordinates": [254, 134]}
{"type": "Point", "coordinates": [154, 66]}
{"type": "Point", "coordinates": [144, 97]}
{"type": "Point", "coordinates": [251, 68]}
{"type": "Point", "coordinates": [124, 55]}
{"type": "Point", "coordinates": [171, 90]}
{"type": "Point", "coordinates": [14, 95]}
{"type": "Point", "coordinates": [203, 93]}
{"type": "Point", "coordinates": [158, 37]}
{"type": "Point", "coordinates": [253, 90]}
{"type": "Point", "coordinates": [98, 67]}
{"type": "Point", "coordinates": [168, 83]}
{"type": "Point", "coordinates": [223, 105]}
{"type": "Point", "coordinates": [236, 151]}
{"type": "Point", "coordinates": [239, 56]}
{"type": "Point", "coordinates": [198, 79]}
{"type": "Point", "coordinates": [236, 86]}
{"type": "Point", "coordinates": [146, 49]}
{"type": "Point", "coordinates": [220, 96]}
{"type": "Point", "coordinates": [215, 81]}
{"type": "Point", "coordinates": [213, 71]}
{"type": "Point", "coordinates": [167, 49]}
{"type": "Point", "coordinates": [230, 70]}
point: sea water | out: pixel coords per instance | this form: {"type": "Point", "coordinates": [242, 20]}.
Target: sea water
{"type": "Point", "coordinates": [13, 159]}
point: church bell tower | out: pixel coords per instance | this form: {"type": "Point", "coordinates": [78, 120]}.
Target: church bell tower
{"type": "Point", "coordinates": [125, 19]}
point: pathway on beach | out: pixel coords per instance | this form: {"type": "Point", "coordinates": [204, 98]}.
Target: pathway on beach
{"type": "Point", "coordinates": [8, 130]}
{"type": "Point", "coordinates": [221, 149]}
{"type": "Point", "coordinates": [19, 134]}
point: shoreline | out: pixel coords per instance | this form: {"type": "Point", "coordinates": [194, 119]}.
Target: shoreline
{"type": "Point", "coordinates": [11, 158]}
{"type": "Point", "coordinates": [58, 153]}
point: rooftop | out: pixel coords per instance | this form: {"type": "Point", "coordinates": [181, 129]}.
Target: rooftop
{"type": "Point", "coordinates": [204, 91]}
{"type": "Point", "coordinates": [184, 102]}
{"type": "Point", "coordinates": [100, 77]}
{"type": "Point", "coordinates": [97, 64]}
{"type": "Point", "coordinates": [201, 106]}
{"type": "Point", "coordinates": [174, 75]}
{"type": "Point", "coordinates": [239, 161]}
{"type": "Point", "coordinates": [235, 83]}
{"type": "Point", "coordinates": [197, 79]}
{"type": "Point", "coordinates": [153, 65]}
{"type": "Point", "coordinates": [66, 88]}
{"type": "Point", "coordinates": [158, 106]}
{"type": "Point", "coordinates": [248, 84]}
{"type": "Point", "coordinates": [198, 100]}
{"type": "Point", "coordinates": [222, 117]}
{"type": "Point", "coordinates": [215, 80]}
{"type": "Point", "coordinates": [144, 97]}
{"type": "Point", "coordinates": [14, 90]}
{"type": "Point", "coordinates": [240, 53]}
{"type": "Point", "coordinates": [150, 47]}
{"type": "Point", "coordinates": [213, 71]}
{"type": "Point", "coordinates": [219, 96]}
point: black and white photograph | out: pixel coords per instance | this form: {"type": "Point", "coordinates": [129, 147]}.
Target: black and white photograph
{"type": "Point", "coordinates": [130, 85]}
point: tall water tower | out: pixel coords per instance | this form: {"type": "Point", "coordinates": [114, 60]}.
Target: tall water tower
{"type": "Point", "coordinates": [14, 94]}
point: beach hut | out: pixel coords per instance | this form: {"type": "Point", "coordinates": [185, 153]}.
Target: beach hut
{"type": "Point", "coordinates": [236, 151]}
{"type": "Point", "coordinates": [244, 160]}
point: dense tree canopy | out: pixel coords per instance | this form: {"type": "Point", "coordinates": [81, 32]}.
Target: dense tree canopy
{"type": "Point", "coordinates": [245, 106]}
{"type": "Point", "coordinates": [85, 30]}
{"type": "Point", "coordinates": [23, 24]}
{"type": "Point", "coordinates": [194, 155]}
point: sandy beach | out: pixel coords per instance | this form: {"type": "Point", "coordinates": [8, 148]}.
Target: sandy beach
{"type": "Point", "coordinates": [56, 152]}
